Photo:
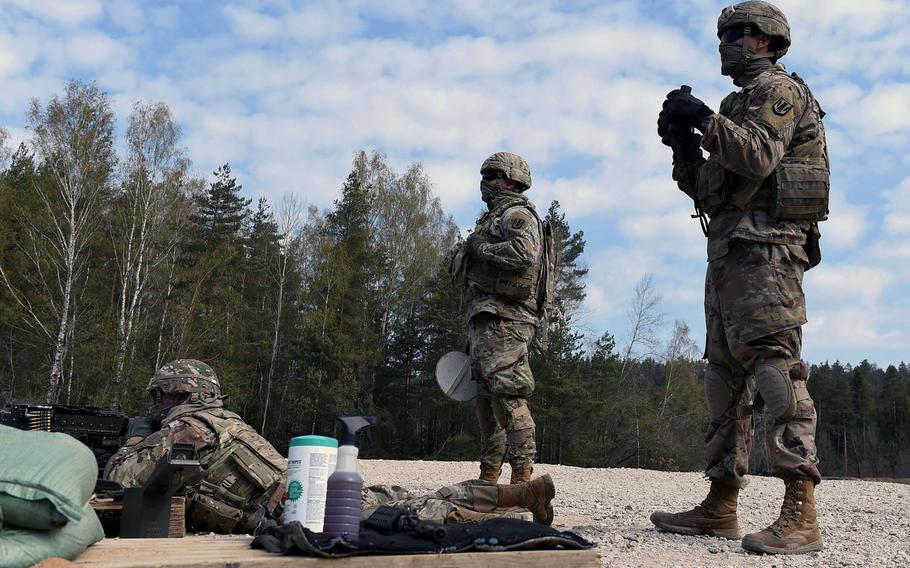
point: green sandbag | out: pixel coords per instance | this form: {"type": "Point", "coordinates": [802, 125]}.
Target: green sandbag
{"type": "Point", "coordinates": [20, 548]}
{"type": "Point", "coordinates": [45, 478]}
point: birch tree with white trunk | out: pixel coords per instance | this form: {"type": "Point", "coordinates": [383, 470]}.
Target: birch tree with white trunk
{"type": "Point", "coordinates": [288, 220]}
{"type": "Point", "coordinates": [73, 138]}
{"type": "Point", "coordinates": [149, 210]}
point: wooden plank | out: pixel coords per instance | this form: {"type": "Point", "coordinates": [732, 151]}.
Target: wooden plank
{"type": "Point", "coordinates": [235, 552]}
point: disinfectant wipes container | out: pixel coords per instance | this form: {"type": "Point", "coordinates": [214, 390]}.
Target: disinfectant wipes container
{"type": "Point", "coordinates": [311, 460]}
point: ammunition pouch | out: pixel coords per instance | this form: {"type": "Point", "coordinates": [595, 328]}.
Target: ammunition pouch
{"type": "Point", "coordinates": [207, 514]}
{"type": "Point", "coordinates": [799, 189]}
{"type": "Point", "coordinates": [812, 246]}
{"type": "Point", "coordinates": [710, 190]}
{"type": "Point", "coordinates": [241, 475]}
{"type": "Point", "coordinates": [513, 284]}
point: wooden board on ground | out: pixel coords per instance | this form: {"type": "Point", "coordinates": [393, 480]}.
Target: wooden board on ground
{"type": "Point", "coordinates": [235, 552]}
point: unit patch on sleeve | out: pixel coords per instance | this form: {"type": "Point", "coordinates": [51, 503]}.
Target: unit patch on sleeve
{"type": "Point", "coordinates": [782, 107]}
{"type": "Point", "coordinates": [517, 223]}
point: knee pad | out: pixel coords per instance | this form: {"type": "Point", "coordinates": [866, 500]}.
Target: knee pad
{"type": "Point", "coordinates": [718, 391]}
{"type": "Point", "coordinates": [772, 377]}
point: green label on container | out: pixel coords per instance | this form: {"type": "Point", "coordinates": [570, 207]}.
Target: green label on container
{"type": "Point", "coordinates": [295, 490]}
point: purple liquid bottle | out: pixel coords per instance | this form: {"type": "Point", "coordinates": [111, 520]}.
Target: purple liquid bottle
{"type": "Point", "coordinates": [345, 485]}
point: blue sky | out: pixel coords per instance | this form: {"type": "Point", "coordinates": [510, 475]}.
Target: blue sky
{"type": "Point", "coordinates": [287, 91]}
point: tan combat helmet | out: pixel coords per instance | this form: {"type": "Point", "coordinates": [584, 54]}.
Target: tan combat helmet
{"type": "Point", "coordinates": [512, 165]}
{"type": "Point", "coordinates": [764, 16]}
{"type": "Point", "coordinates": [185, 376]}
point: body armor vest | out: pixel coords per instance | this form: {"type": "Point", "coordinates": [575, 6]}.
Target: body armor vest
{"type": "Point", "coordinates": [241, 474]}
{"type": "Point", "coordinates": [521, 285]}
{"type": "Point", "coordinates": [797, 189]}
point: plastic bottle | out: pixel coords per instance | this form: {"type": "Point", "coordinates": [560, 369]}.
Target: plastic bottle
{"type": "Point", "coordinates": [311, 460]}
{"type": "Point", "coordinates": [345, 487]}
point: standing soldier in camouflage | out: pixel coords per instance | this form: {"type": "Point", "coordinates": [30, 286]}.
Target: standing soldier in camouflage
{"type": "Point", "coordinates": [764, 186]}
{"type": "Point", "coordinates": [499, 269]}
{"type": "Point", "coordinates": [241, 470]}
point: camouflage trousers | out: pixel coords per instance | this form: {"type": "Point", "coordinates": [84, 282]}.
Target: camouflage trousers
{"type": "Point", "coordinates": [754, 307]}
{"type": "Point", "coordinates": [468, 501]}
{"type": "Point", "coordinates": [499, 363]}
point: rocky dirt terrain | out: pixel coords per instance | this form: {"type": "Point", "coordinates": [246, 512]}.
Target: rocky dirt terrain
{"type": "Point", "coordinates": [864, 523]}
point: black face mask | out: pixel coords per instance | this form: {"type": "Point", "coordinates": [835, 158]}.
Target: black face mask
{"type": "Point", "coordinates": [488, 192]}
{"type": "Point", "coordinates": [734, 57]}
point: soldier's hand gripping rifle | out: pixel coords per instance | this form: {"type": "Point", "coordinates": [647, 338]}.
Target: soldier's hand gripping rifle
{"type": "Point", "coordinates": [686, 147]}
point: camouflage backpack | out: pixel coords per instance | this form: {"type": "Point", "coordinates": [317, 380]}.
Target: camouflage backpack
{"type": "Point", "coordinates": [546, 288]}
{"type": "Point", "coordinates": [243, 473]}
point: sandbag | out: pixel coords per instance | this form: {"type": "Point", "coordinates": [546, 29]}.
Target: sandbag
{"type": "Point", "coordinates": [20, 548]}
{"type": "Point", "coordinates": [46, 478]}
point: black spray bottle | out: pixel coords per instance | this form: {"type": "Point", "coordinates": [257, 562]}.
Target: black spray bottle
{"type": "Point", "coordinates": [345, 486]}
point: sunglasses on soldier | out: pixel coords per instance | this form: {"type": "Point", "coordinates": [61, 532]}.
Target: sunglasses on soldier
{"type": "Point", "coordinates": [492, 175]}
{"type": "Point", "coordinates": [730, 35]}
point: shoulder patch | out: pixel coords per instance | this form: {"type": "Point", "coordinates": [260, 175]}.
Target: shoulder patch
{"type": "Point", "coordinates": [781, 107]}
{"type": "Point", "coordinates": [517, 219]}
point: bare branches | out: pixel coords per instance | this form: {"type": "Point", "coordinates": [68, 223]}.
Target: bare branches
{"type": "Point", "coordinates": [645, 318]}
{"type": "Point", "coordinates": [73, 136]}
{"type": "Point", "coordinates": [149, 210]}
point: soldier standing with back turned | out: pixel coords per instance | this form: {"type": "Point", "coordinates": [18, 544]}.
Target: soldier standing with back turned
{"type": "Point", "coordinates": [499, 268]}
{"type": "Point", "coordinates": [764, 186]}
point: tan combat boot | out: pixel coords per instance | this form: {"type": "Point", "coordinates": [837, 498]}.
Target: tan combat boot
{"type": "Point", "coordinates": [535, 496]}
{"type": "Point", "coordinates": [489, 474]}
{"type": "Point", "coordinates": [521, 474]}
{"type": "Point", "coordinates": [796, 530]}
{"type": "Point", "coordinates": [715, 516]}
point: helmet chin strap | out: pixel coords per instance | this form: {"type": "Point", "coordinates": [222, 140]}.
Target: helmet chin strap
{"type": "Point", "coordinates": [748, 55]}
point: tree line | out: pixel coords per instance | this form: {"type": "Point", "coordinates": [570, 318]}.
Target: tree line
{"type": "Point", "coordinates": [116, 258]}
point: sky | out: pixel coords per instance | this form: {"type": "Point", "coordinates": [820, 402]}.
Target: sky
{"type": "Point", "coordinates": [287, 91]}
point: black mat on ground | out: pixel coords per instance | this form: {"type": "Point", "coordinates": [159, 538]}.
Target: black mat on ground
{"type": "Point", "coordinates": [495, 535]}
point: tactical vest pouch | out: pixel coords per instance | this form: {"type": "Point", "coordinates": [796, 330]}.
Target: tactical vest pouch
{"type": "Point", "coordinates": [512, 284]}
{"type": "Point", "coordinates": [517, 284]}
{"type": "Point", "coordinates": [812, 247]}
{"type": "Point", "coordinates": [207, 514]}
{"type": "Point", "coordinates": [800, 188]}
{"type": "Point", "coordinates": [710, 192]}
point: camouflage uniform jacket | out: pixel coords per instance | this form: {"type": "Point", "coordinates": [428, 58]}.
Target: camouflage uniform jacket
{"type": "Point", "coordinates": [772, 117]}
{"type": "Point", "coordinates": [514, 243]}
{"type": "Point", "coordinates": [241, 469]}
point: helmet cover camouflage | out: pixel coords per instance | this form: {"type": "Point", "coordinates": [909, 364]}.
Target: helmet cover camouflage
{"type": "Point", "coordinates": [512, 165]}
{"type": "Point", "coordinates": [764, 16]}
{"type": "Point", "coordinates": [185, 376]}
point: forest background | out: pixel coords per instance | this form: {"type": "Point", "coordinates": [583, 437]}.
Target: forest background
{"type": "Point", "coordinates": [116, 258]}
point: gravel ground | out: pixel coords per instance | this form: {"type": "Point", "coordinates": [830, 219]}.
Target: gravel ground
{"type": "Point", "coordinates": [864, 523]}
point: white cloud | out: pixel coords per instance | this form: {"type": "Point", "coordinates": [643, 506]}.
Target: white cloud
{"type": "Point", "coordinates": [126, 14]}
{"type": "Point", "coordinates": [856, 284]}
{"type": "Point", "coordinates": [66, 12]}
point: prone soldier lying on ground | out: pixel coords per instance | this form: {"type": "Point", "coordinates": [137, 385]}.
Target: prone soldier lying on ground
{"type": "Point", "coordinates": [468, 501]}
{"type": "Point", "coordinates": [242, 471]}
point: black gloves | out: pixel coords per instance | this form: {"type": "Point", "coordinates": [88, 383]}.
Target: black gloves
{"type": "Point", "coordinates": [681, 113]}
{"type": "Point", "coordinates": [686, 110]}
{"type": "Point", "coordinates": [686, 143]}
{"type": "Point", "coordinates": [472, 245]}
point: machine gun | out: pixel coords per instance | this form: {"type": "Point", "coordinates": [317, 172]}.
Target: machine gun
{"type": "Point", "coordinates": [101, 429]}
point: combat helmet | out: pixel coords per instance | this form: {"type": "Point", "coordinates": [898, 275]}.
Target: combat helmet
{"type": "Point", "coordinates": [763, 16]}
{"type": "Point", "coordinates": [512, 165]}
{"type": "Point", "coordinates": [185, 376]}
